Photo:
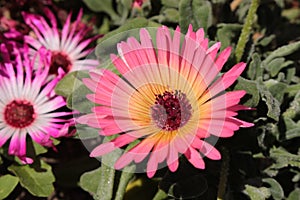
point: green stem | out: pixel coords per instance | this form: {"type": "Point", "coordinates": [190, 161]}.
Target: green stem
{"type": "Point", "coordinates": [106, 183]}
{"type": "Point", "coordinates": [223, 174]}
{"type": "Point", "coordinates": [246, 30]}
{"type": "Point", "coordinates": [126, 176]}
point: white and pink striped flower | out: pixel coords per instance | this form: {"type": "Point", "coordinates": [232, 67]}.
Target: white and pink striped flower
{"type": "Point", "coordinates": [28, 104]}
{"type": "Point", "coordinates": [68, 47]}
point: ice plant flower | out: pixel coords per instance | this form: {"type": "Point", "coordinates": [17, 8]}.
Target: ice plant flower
{"type": "Point", "coordinates": [68, 47]}
{"type": "Point", "coordinates": [28, 104]}
{"type": "Point", "coordinates": [168, 100]}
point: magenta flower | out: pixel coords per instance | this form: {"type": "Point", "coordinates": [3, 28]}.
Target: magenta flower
{"type": "Point", "coordinates": [68, 47]}
{"type": "Point", "coordinates": [28, 104]}
{"type": "Point", "coordinates": [168, 100]}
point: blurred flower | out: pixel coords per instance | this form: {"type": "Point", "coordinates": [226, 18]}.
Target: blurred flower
{"type": "Point", "coordinates": [68, 47]}
{"type": "Point", "coordinates": [137, 3]}
{"type": "Point", "coordinates": [169, 99]}
{"type": "Point", "coordinates": [28, 104]}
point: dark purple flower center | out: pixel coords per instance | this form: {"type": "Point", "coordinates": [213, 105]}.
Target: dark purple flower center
{"type": "Point", "coordinates": [59, 59]}
{"type": "Point", "coordinates": [171, 110]}
{"type": "Point", "coordinates": [19, 114]}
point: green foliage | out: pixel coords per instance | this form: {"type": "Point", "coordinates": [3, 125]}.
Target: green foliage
{"type": "Point", "coordinates": [38, 181]}
{"type": "Point", "coordinates": [255, 193]}
{"type": "Point", "coordinates": [275, 188]}
{"type": "Point", "coordinates": [7, 185]}
{"type": "Point", "coordinates": [89, 181]}
{"type": "Point", "coordinates": [195, 12]}
{"type": "Point", "coordinates": [102, 6]}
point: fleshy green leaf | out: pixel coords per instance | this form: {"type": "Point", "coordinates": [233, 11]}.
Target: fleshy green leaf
{"type": "Point", "coordinates": [102, 6]}
{"type": "Point", "coordinates": [170, 3]}
{"type": "Point", "coordinates": [251, 88]}
{"type": "Point", "coordinates": [7, 185]}
{"type": "Point", "coordinates": [85, 132]}
{"type": "Point", "coordinates": [255, 70]}
{"type": "Point", "coordinates": [38, 182]}
{"type": "Point", "coordinates": [67, 85]}
{"type": "Point", "coordinates": [283, 51]}
{"type": "Point", "coordinates": [272, 103]}
{"type": "Point", "coordinates": [284, 158]}
{"type": "Point", "coordinates": [160, 195]}
{"type": "Point", "coordinates": [78, 101]}
{"type": "Point", "coordinates": [255, 193]}
{"type": "Point", "coordinates": [107, 44]}
{"type": "Point", "coordinates": [277, 89]}
{"type": "Point", "coordinates": [227, 32]}
{"type": "Point", "coordinates": [294, 195]}
{"type": "Point", "coordinates": [89, 181]}
{"type": "Point", "coordinates": [195, 12]}
{"type": "Point", "coordinates": [275, 189]}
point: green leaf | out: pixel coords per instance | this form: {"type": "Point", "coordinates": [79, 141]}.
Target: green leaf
{"type": "Point", "coordinates": [102, 6]}
{"type": "Point", "coordinates": [39, 149]}
{"type": "Point", "coordinates": [170, 15]}
{"type": "Point", "coordinates": [195, 12]}
{"type": "Point", "coordinates": [78, 101]}
{"type": "Point", "coordinates": [282, 51]}
{"type": "Point", "coordinates": [160, 195]}
{"type": "Point", "coordinates": [39, 182]}
{"type": "Point", "coordinates": [170, 3]}
{"type": "Point", "coordinates": [251, 88]}
{"type": "Point", "coordinates": [255, 70]}
{"type": "Point", "coordinates": [89, 181]}
{"type": "Point", "coordinates": [272, 103]}
{"type": "Point", "coordinates": [266, 40]}
{"type": "Point", "coordinates": [85, 132]}
{"type": "Point", "coordinates": [293, 129]}
{"type": "Point", "coordinates": [66, 86]}
{"type": "Point", "coordinates": [276, 65]}
{"type": "Point", "coordinates": [227, 32]}
{"type": "Point", "coordinates": [294, 195]}
{"type": "Point", "coordinates": [7, 185]}
{"type": "Point", "coordinates": [275, 189]}
{"type": "Point", "coordinates": [255, 193]}
{"type": "Point", "coordinates": [107, 44]}
{"type": "Point", "coordinates": [283, 158]}
{"type": "Point", "coordinates": [278, 89]}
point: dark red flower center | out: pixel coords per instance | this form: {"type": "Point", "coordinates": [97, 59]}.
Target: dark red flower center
{"type": "Point", "coordinates": [171, 110]}
{"type": "Point", "coordinates": [19, 114]}
{"type": "Point", "coordinates": [59, 59]}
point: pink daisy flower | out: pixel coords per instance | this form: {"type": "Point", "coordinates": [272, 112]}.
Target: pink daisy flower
{"type": "Point", "coordinates": [68, 47]}
{"type": "Point", "coordinates": [168, 99]}
{"type": "Point", "coordinates": [28, 104]}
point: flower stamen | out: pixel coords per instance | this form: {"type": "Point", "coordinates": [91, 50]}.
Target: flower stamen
{"type": "Point", "coordinates": [171, 110]}
{"type": "Point", "coordinates": [19, 114]}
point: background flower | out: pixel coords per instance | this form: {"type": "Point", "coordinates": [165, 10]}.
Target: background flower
{"type": "Point", "coordinates": [68, 47]}
{"type": "Point", "coordinates": [28, 104]}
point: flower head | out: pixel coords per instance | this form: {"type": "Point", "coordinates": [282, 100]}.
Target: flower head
{"type": "Point", "coordinates": [168, 99]}
{"type": "Point", "coordinates": [28, 104]}
{"type": "Point", "coordinates": [68, 47]}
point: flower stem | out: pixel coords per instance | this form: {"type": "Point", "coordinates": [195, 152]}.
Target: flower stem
{"type": "Point", "coordinates": [223, 174]}
{"type": "Point", "coordinates": [246, 30]}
